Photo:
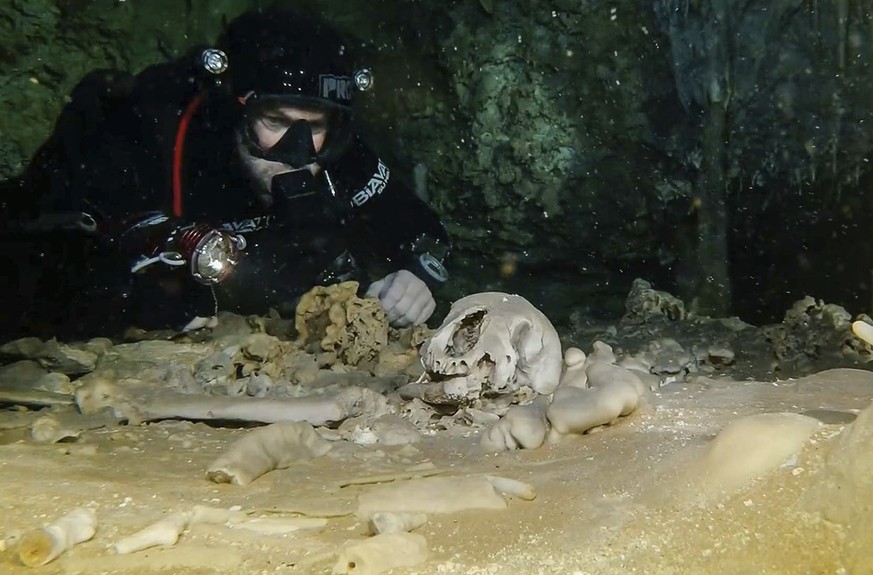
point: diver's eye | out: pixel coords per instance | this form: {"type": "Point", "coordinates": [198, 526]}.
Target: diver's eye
{"type": "Point", "coordinates": [274, 124]}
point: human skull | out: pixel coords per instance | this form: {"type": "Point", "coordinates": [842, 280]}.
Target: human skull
{"type": "Point", "coordinates": [493, 342]}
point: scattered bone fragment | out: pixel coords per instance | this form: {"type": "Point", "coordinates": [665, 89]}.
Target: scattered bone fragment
{"type": "Point", "coordinates": [201, 514]}
{"type": "Point", "coordinates": [476, 417]}
{"type": "Point", "coordinates": [163, 532]}
{"type": "Point", "coordinates": [99, 393]}
{"type": "Point", "coordinates": [65, 423]}
{"type": "Point", "coordinates": [523, 427]}
{"type": "Point", "coordinates": [279, 525]}
{"type": "Point", "coordinates": [48, 429]}
{"type": "Point", "coordinates": [431, 495]}
{"type": "Point", "coordinates": [167, 531]}
{"type": "Point", "coordinates": [381, 553]}
{"type": "Point", "coordinates": [17, 419]}
{"type": "Point", "coordinates": [64, 358]}
{"type": "Point", "coordinates": [27, 383]}
{"type": "Point", "coordinates": [863, 330]}
{"type": "Point", "coordinates": [601, 353]}
{"type": "Point", "coordinates": [670, 358]}
{"type": "Point", "coordinates": [513, 487]}
{"type": "Point", "coordinates": [602, 375]}
{"type": "Point", "coordinates": [385, 522]}
{"type": "Point", "coordinates": [613, 392]}
{"type": "Point", "coordinates": [389, 430]}
{"type": "Point", "coordinates": [575, 410]}
{"type": "Point", "coordinates": [275, 446]}
{"type": "Point", "coordinates": [574, 368]}
{"type": "Point", "coordinates": [45, 544]}
{"type": "Point", "coordinates": [594, 391]}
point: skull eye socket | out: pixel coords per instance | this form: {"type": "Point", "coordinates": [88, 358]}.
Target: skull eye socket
{"type": "Point", "coordinates": [520, 335]}
{"type": "Point", "coordinates": [467, 333]}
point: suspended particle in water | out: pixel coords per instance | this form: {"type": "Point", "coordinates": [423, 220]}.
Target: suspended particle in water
{"type": "Point", "coordinates": [508, 265]}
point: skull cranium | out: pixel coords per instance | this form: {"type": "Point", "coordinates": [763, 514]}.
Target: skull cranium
{"type": "Point", "coordinates": [493, 342]}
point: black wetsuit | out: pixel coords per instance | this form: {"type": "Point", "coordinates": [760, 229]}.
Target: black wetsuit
{"type": "Point", "coordinates": [111, 156]}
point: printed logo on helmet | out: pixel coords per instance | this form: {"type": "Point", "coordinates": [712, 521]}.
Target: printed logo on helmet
{"type": "Point", "coordinates": [335, 87]}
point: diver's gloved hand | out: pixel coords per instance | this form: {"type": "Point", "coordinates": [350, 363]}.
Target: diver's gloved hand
{"type": "Point", "coordinates": [406, 299]}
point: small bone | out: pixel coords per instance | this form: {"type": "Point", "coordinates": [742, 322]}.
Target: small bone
{"type": "Point", "coordinates": [604, 375]}
{"type": "Point", "coordinates": [513, 487]}
{"type": "Point", "coordinates": [574, 368]}
{"type": "Point", "coordinates": [863, 330]}
{"type": "Point", "coordinates": [523, 427]}
{"type": "Point", "coordinates": [386, 522]}
{"type": "Point", "coordinates": [381, 553]}
{"type": "Point", "coordinates": [615, 392]}
{"type": "Point", "coordinates": [430, 393]}
{"type": "Point", "coordinates": [279, 525]}
{"type": "Point", "coordinates": [431, 495]}
{"type": "Point", "coordinates": [267, 448]}
{"type": "Point", "coordinates": [48, 429]}
{"type": "Point", "coordinates": [163, 532]}
{"type": "Point", "coordinates": [202, 514]}
{"type": "Point", "coordinates": [45, 544]}
{"type": "Point", "coordinates": [600, 353]}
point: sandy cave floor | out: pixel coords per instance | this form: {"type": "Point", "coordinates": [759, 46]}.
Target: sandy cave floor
{"type": "Point", "coordinates": [620, 500]}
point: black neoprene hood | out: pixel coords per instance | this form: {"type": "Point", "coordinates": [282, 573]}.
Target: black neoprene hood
{"type": "Point", "coordinates": [277, 54]}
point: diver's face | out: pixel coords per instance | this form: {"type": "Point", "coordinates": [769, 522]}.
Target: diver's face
{"type": "Point", "coordinates": [267, 128]}
{"type": "Point", "coordinates": [270, 125]}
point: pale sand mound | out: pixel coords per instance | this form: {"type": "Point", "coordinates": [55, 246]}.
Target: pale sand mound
{"type": "Point", "coordinates": [842, 492]}
{"type": "Point", "coordinates": [750, 447]}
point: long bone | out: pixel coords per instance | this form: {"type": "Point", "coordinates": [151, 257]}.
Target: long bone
{"type": "Point", "coordinates": [140, 403]}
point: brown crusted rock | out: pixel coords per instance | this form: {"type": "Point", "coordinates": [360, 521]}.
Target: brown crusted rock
{"type": "Point", "coordinates": [335, 319]}
{"type": "Point", "coordinates": [644, 302]}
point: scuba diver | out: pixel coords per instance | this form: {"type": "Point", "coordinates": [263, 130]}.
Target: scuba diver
{"type": "Point", "coordinates": [230, 179]}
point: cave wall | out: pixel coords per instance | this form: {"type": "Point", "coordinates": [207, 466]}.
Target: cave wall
{"type": "Point", "coordinates": [48, 45]}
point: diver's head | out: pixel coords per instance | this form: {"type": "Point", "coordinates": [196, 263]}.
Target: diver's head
{"type": "Point", "coordinates": [295, 79]}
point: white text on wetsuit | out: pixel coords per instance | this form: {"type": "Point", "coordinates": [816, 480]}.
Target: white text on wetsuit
{"type": "Point", "coordinates": [374, 187]}
{"type": "Point", "coordinates": [249, 224]}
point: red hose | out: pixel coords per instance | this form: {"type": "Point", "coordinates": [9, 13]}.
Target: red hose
{"type": "Point", "coordinates": [178, 149]}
